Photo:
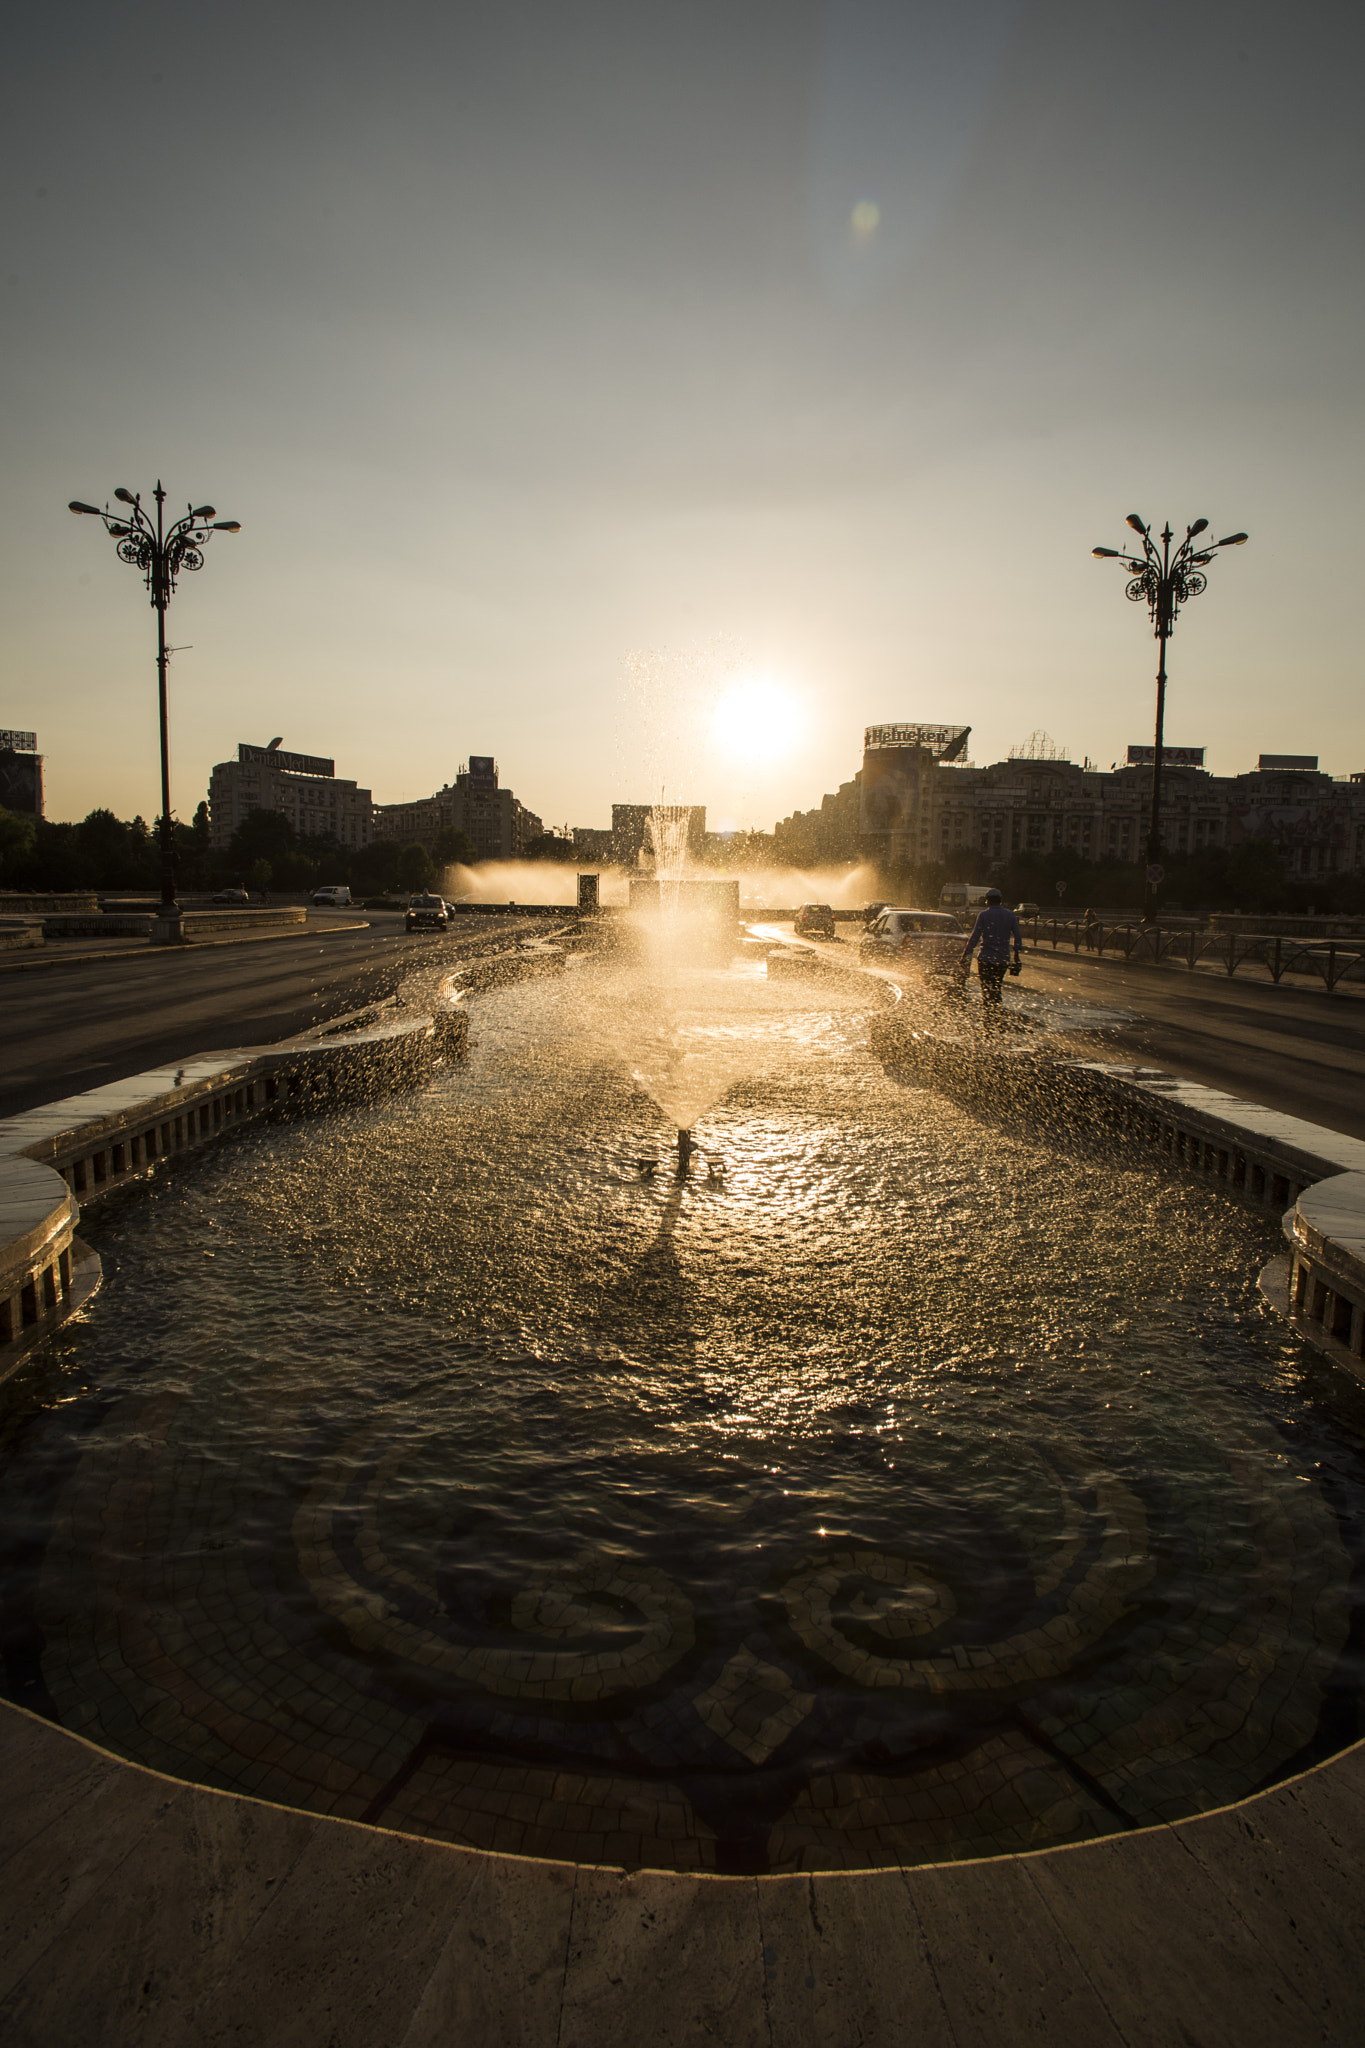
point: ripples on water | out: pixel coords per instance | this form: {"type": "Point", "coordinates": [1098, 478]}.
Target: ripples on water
{"type": "Point", "coordinates": [904, 1488]}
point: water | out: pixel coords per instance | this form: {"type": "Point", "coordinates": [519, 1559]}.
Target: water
{"type": "Point", "coordinates": [907, 1490]}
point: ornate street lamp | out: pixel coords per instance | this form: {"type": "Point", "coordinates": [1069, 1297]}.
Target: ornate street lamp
{"type": "Point", "coordinates": [1163, 582]}
{"type": "Point", "coordinates": [161, 552]}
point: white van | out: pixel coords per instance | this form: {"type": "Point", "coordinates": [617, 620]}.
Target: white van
{"type": "Point", "coordinates": [963, 895]}
{"type": "Point", "coordinates": [335, 898]}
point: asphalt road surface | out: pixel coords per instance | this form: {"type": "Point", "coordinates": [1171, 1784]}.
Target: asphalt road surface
{"type": "Point", "coordinates": [1293, 1049]}
{"type": "Point", "coordinates": [75, 1025]}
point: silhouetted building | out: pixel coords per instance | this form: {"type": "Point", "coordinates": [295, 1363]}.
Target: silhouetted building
{"type": "Point", "coordinates": [497, 826]}
{"type": "Point", "coordinates": [828, 837]}
{"type": "Point", "coordinates": [899, 788]}
{"type": "Point", "coordinates": [920, 801]}
{"type": "Point", "coordinates": [630, 830]}
{"type": "Point", "coordinates": [21, 773]}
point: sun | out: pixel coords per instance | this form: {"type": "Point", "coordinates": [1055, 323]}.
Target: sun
{"type": "Point", "coordinates": [758, 718]}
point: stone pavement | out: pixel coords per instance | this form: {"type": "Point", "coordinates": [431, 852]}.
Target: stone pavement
{"type": "Point", "coordinates": [137, 1909]}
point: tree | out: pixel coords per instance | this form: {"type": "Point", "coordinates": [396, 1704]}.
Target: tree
{"type": "Point", "coordinates": [194, 852]}
{"type": "Point", "coordinates": [414, 868]}
{"type": "Point", "coordinates": [18, 836]}
{"type": "Point", "coordinates": [549, 846]}
{"type": "Point", "coordinates": [262, 835]}
{"type": "Point", "coordinates": [270, 837]}
{"type": "Point", "coordinates": [452, 848]}
{"type": "Point", "coordinates": [112, 854]}
{"type": "Point", "coordinates": [742, 852]}
{"type": "Point", "coordinates": [374, 868]}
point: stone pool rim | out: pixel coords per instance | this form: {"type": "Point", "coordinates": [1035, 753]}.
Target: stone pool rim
{"type": "Point", "coordinates": [971, 1948]}
{"type": "Point", "coordinates": [184, 1913]}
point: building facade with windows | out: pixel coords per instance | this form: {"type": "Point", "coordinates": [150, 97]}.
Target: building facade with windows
{"type": "Point", "coordinates": [305, 788]}
{"type": "Point", "coordinates": [1316, 822]}
{"type": "Point", "coordinates": [496, 824]}
{"type": "Point", "coordinates": [919, 800]}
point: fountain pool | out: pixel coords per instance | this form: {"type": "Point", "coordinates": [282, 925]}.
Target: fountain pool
{"type": "Point", "coordinates": [909, 1490]}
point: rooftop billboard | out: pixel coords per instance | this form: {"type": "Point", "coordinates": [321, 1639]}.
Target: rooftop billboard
{"type": "Point", "coordinates": [292, 764]}
{"type": "Point", "coordinates": [1171, 757]}
{"type": "Point", "coordinates": [944, 742]}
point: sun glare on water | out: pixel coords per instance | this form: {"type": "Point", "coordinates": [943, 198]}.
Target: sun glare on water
{"type": "Point", "coordinates": [757, 719]}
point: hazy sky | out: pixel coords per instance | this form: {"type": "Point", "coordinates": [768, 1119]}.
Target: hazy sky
{"type": "Point", "coordinates": [812, 343]}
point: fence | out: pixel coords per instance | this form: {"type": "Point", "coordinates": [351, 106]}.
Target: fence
{"type": "Point", "coordinates": [1332, 960]}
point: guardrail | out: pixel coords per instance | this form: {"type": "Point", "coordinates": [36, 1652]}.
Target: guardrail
{"type": "Point", "coordinates": [1333, 960]}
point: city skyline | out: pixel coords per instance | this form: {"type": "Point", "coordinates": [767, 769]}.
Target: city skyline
{"type": "Point", "coordinates": [818, 345]}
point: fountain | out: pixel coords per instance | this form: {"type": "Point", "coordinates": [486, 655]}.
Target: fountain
{"type": "Point", "coordinates": [914, 1489]}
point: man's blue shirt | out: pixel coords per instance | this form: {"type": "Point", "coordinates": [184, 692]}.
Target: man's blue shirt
{"type": "Point", "coordinates": [995, 931]}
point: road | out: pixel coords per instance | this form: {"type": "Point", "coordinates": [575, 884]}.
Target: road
{"type": "Point", "coordinates": [1294, 1049]}
{"type": "Point", "coordinates": [73, 1026]}
{"type": "Point", "coordinates": [76, 1025]}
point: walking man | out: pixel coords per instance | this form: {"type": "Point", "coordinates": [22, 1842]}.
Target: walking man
{"type": "Point", "coordinates": [995, 930]}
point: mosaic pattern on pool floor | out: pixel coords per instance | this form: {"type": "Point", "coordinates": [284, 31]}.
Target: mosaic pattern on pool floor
{"type": "Point", "coordinates": [858, 1709]}
{"type": "Point", "coordinates": [726, 1528]}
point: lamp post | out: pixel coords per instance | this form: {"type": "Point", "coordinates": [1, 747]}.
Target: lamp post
{"type": "Point", "coordinates": [1163, 582]}
{"type": "Point", "coordinates": [161, 552]}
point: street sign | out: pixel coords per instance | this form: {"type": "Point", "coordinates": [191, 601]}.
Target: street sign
{"type": "Point", "coordinates": [1156, 874]}
{"type": "Point", "coordinates": [1061, 888]}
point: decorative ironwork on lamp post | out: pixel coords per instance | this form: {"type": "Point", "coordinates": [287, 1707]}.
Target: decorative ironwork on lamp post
{"type": "Point", "coordinates": [161, 552]}
{"type": "Point", "coordinates": [1163, 582]}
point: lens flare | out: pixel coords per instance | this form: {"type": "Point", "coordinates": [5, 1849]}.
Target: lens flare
{"type": "Point", "coordinates": [865, 219]}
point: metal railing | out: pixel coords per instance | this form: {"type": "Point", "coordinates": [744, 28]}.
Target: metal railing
{"type": "Point", "coordinates": [1330, 960]}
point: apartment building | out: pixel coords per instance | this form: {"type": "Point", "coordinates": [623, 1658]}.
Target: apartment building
{"type": "Point", "coordinates": [918, 799]}
{"type": "Point", "coordinates": [305, 788]}
{"type": "Point", "coordinates": [497, 825]}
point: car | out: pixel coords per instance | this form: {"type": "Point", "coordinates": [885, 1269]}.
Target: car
{"type": "Point", "coordinates": [236, 898]}
{"type": "Point", "coordinates": [334, 896]}
{"type": "Point", "coordinates": [814, 920]}
{"type": "Point", "coordinates": [1026, 910]}
{"type": "Point", "coordinates": [928, 942]}
{"type": "Point", "coordinates": [426, 913]}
